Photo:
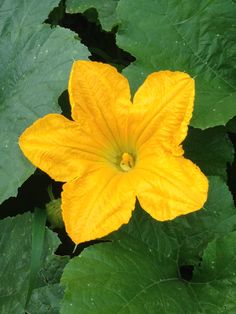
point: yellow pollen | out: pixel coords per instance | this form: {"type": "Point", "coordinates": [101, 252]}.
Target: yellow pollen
{"type": "Point", "coordinates": [127, 162]}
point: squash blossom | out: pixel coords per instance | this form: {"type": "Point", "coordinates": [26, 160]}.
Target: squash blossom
{"type": "Point", "coordinates": [115, 150]}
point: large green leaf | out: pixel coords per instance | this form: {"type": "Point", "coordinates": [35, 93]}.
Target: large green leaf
{"type": "Point", "coordinates": [34, 68]}
{"type": "Point", "coordinates": [106, 10]}
{"type": "Point", "coordinates": [139, 271]}
{"type": "Point", "coordinates": [126, 277]}
{"type": "Point", "coordinates": [210, 149]}
{"type": "Point", "coordinates": [193, 36]}
{"type": "Point", "coordinates": [15, 264]}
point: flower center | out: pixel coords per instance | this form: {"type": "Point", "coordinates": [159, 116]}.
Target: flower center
{"type": "Point", "coordinates": [127, 162]}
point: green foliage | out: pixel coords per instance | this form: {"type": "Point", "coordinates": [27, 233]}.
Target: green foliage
{"type": "Point", "coordinates": [46, 300]}
{"type": "Point", "coordinates": [139, 271]}
{"type": "Point", "coordinates": [125, 277]}
{"type": "Point", "coordinates": [197, 37]}
{"type": "Point", "coordinates": [34, 71]}
{"type": "Point", "coordinates": [210, 149]}
{"type": "Point", "coordinates": [217, 275]}
{"type": "Point", "coordinates": [106, 10]}
{"type": "Point", "coordinates": [188, 235]}
{"type": "Point", "coordinates": [15, 262]}
{"type": "Point", "coordinates": [141, 268]}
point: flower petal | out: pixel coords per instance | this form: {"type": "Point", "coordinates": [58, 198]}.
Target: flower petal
{"type": "Point", "coordinates": [97, 204]}
{"type": "Point", "coordinates": [96, 88]}
{"type": "Point", "coordinates": [164, 103]}
{"type": "Point", "coordinates": [59, 147]}
{"type": "Point", "coordinates": [172, 186]}
{"type": "Point", "coordinates": [98, 93]}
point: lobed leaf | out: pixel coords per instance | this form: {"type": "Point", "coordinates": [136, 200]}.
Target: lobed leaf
{"type": "Point", "coordinates": [34, 69]}
{"type": "Point", "coordinates": [197, 37]}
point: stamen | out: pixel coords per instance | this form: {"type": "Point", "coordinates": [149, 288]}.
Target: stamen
{"type": "Point", "coordinates": [127, 162]}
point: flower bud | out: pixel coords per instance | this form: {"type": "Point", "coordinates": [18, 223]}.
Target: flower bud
{"type": "Point", "coordinates": [54, 216]}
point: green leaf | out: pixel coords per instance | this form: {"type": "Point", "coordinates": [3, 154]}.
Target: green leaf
{"type": "Point", "coordinates": [18, 14]}
{"type": "Point", "coordinates": [15, 262]}
{"type": "Point", "coordinates": [34, 69]}
{"type": "Point", "coordinates": [217, 273]}
{"type": "Point", "coordinates": [193, 36]}
{"type": "Point", "coordinates": [46, 300]}
{"type": "Point", "coordinates": [106, 10]}
{"type": "Point", "coordinates": [52, 269]}
{"type": "Point", "coordinates": [119, 278]}
{"type": "Point", "coordinates": [139, 271]}
{"type": "Point", "coordinates": [210, 149]}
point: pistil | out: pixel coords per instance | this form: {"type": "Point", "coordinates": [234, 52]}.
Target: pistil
{"type": "Point", "coordinates": [127, 162]}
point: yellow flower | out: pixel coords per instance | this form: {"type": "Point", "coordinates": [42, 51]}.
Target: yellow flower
{"type": "Point", "coordinates": [116, 150]}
